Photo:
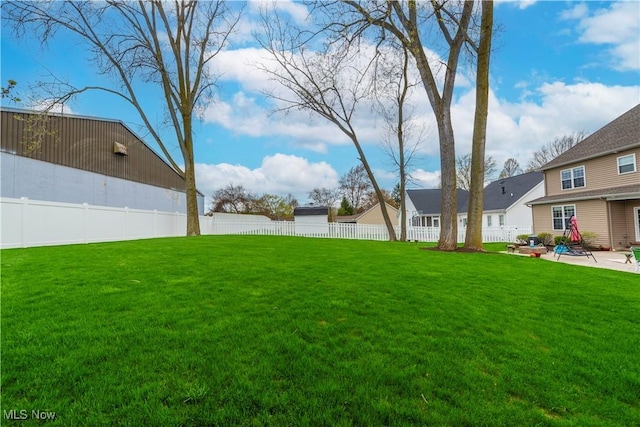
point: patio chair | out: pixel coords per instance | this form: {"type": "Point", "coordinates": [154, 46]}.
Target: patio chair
{"type": "Point", "coordinates": [635, 253]}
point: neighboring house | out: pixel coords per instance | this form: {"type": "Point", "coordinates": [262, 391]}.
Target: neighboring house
{"type": "Point", "coordinates": [372, 216]}
{"type": "Point", "coordinates": [598, 181]}
{"type": "Point", "coordinates": [505, 201]}
{"type": "Point", "coordinates": [424, 208]}
{"type": "Point", "coordinates": [85, 160]}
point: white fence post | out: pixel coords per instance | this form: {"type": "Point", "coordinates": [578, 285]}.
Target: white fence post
{"type": "Point", "coordinates": [23, 225]}
{"type": "Point", "coordinates": [27, 223]}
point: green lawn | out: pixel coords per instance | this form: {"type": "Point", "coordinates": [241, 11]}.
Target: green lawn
{"type": "Point", "coordinates": [250, 330]}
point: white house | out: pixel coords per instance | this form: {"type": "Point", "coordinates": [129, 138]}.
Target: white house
{"type": "Point", "coordinates": [504, 203]}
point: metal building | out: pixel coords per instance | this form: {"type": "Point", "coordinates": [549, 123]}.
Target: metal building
{"type": "Point", "coordinates": [76, 159]}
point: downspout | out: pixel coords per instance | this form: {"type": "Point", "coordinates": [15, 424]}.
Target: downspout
{"type": "Point", "coordinates": [610, 225]}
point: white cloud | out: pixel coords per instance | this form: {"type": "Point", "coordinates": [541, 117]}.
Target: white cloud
{"type": "Point", "coordinates": [278, 174]}
{"type": "Point", "coordinates": [521, 4]}
{"type": "Point", "coordinates": [519, 129]}
{"type": "Point", "coordinates": [297, 11]}
{"type": "Point", "coordinates": [425, 179]}
{"type": "Point", "coordinates": [617, 26]}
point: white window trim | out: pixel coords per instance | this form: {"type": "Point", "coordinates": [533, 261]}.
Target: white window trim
{"type": "Point", "coordinates": [584, 177]}
{"type": "Point", "coordinates": [501, 220]}
{"type": "Point", "coordinates": [489, 221]}
{"type": "Point", "coordinates": [635, 165]}
{"type": "Point", "coordinates": [564, 220]}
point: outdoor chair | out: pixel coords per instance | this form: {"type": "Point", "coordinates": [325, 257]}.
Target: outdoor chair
{"type": "Point", "coordinates": [635, 253]}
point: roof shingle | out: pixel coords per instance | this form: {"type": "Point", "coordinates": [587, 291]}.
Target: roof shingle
{"type": "Point", "coordinates": [621, 134]}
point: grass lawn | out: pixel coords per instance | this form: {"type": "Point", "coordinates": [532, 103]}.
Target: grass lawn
{"type": "Point", "coordinates": [251, 330]}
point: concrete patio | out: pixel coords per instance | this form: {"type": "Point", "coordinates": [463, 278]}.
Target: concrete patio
{"type": "Point", "coordinates": [605, 259]}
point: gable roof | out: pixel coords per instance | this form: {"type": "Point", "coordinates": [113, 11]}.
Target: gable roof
{"type": "Point", "coordinates": [619, 135]}
{"type": "Point", "coordinates": [356, 217]}
{"type": "Point", "coordinates": [427, 201]}
{"type": "Point", "coordinates": [503, 193]}
{"type": "Point", "coordinates": [88, 143]}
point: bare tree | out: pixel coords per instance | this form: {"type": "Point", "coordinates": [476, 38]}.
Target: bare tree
{"type": "Point", "coordinates": [480, 168]}
{"type": "Point", "coordinates": [9, 92]}
{"type": "Point", "coordinates": [325, 197]}
{"type": "Point", "coordinates": [371, 200]}
{"type": "Point", "coordinates": [232, 199]}
{"type": "Point", "coordinates": [273, 206]}
{"type": "Point", "coordinates": [145, 45]}
{"type": "Point", "coordinates": [354, 186]}
{"type": "Point", "coordinates": [332, 83]}
{"type": "Point", "coordinates": [463, 171]}
{"type": "Point", "coordinates": [511, 168]}
{"type": "Point", "coordinates": [553, 149]}
{"type": "Point", "coordinates": [411, 23]}
{"type": "Point", "coordinates": [393, 89]}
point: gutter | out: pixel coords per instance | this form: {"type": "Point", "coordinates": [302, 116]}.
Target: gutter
{"type": "Point", "coordinates": [607, 197]}
{"type": "Point", "coordinates": [593, 156]}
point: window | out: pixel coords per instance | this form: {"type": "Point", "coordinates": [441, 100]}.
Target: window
{"type": "Point", "coordinates": [637, 222]}
{"type": "Point", "coordinates": [627, 164]}
{"type": "Point", "coordinates": [488, 220]}
{"type": "Point", "coordinates": [572, 178]}
{"type": "Point", "coordinates": [561, 216]}
{"type": "Point", "coordinates": [425, 221]}
{"type": "Point", "coordinates": [501, 220]}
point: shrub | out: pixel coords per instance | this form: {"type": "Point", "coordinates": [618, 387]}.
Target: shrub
{"type": "Point", "coordinates": [522, 238]}
{"type": "Point", "coordinates": [545, 238]}
{"type": "Point", "coordinates": [557, 240]}
{"type": "Point", "coordinates": [588, 237]}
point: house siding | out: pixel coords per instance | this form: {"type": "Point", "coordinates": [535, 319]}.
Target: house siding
{"type": "Point", "coordinates": [600, 173]}
{"type": "Point", "coordinates": [374, 215]}
{"type": "Point", "coordinates": [591, 215]}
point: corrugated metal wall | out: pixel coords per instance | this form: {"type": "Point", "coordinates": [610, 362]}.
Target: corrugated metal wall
{"type": "Point", "coordinates": [87, 144]}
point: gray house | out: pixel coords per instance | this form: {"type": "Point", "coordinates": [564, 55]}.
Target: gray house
{"type": "Point", "coordinates": [505, 203]}
{"type": "Point", "coordinates": [76, 159]}
{"type": "Point", "coordinates": [424, 208]}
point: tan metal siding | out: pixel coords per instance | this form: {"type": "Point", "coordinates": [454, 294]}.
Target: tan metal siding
{"type": "Point", "coordinates": [374, 216]}
{"type": "Point", "coordinates": [88, 144]}
{"type": "Point", "coordinates": [600, 173]}
{"type": "Point", "coordinates": [591, 214]}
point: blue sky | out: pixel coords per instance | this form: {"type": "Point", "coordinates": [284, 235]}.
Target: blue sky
{"type": "Point", "coordinates": [557, 68]}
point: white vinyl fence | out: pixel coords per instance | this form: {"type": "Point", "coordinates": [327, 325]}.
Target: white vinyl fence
{"type": "Point", "coordinates": [27, 223]}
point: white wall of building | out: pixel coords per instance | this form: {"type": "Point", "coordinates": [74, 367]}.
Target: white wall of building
{"type": "Point", "coordinates": [38, 180]}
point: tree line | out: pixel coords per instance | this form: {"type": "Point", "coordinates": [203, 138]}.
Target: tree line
{"type": "Point", "coordinates": [354, 193]}
{"type": "Point", "coordinates": [346, 60]}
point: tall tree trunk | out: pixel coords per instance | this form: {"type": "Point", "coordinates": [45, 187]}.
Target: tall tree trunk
{"type": "Point", "coordinates": [383, 206]}
{"type": "Point", "coordinates": [193, 218]}
{"type": "Point", "coordinates": [473, 237]}
{"type": "Point", "coordinates": [449, 202]}
{"type": "Point", "coordinates": [403, 199]}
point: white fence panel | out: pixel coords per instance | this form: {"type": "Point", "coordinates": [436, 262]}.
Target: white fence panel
{"type": "Point", "coordinates": [11, 220]}
{"type": "Point", "coordinates": [45, 226]}
{"type": "Point", "coordinates": [26, 223]}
